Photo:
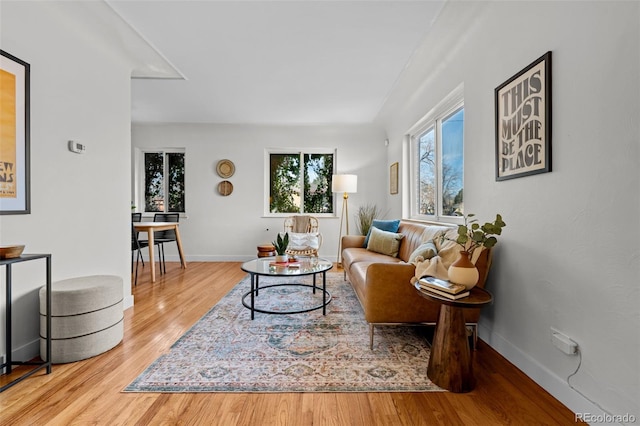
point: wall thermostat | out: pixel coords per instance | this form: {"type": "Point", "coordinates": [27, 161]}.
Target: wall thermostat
{"type": "Point", "coordinates": [76, 147]}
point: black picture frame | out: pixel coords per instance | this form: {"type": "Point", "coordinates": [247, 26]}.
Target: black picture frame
{"type": "Point", "coordinates": [15, 173]}
{"type": "Point", "coordinates": [523, 122]}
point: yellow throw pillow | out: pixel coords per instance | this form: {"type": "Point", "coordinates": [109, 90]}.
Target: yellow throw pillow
{"type": "Point", "coordinates": [384, 242]}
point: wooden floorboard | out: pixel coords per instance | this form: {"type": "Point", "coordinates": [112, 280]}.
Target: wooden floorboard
{"type": "Point", "coordinates": [90, 391]}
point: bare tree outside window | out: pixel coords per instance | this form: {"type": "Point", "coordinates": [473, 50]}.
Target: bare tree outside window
{"type": "Point", "coordinates": [427, 175]}
{"type": "Point", "coordinates": [452, 164]}
{"type": "Point", "coordinates": [440, 160]}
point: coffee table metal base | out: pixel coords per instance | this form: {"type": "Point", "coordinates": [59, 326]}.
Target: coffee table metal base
{"type": "Point", "coordinates": [326, 298]}
{"type": "Point", "coordinates": [265, 267]}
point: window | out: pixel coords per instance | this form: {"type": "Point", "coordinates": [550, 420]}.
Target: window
{"type": "Point", "coordinates": [299, 182]}
{"type": "Point", "coordinates": [437, 160]}
{"type": "Point", "coordinates": [163, 180]}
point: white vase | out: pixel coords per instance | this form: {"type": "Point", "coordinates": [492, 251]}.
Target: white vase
{"type": "Point", "coordinates": [462, 271]}
{"type": "Point", "coordinates": [282, 258]}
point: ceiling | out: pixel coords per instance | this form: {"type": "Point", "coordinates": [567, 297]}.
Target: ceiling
{"type": "Point", "coordinates": [274, 62]}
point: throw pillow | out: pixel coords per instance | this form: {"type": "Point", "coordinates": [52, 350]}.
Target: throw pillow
{"type": "Point", "coordinates": [427, 250]}
{"type": "Point", "coordinates": [303, 241]}
{"type": "Point", "coordinates": [384, 242]}
{"type": "Point", "coordinates": [383, 225]}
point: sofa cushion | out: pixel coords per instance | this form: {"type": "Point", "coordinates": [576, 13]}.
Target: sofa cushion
{"type": "Point", "coordinates": [384, 242]}
{"type": "Point", "coordinates": [383, 225]}
{"type": "Point", "coordinates": [425, 250]}
{"type": "Point", "coordinates": [352, 256]}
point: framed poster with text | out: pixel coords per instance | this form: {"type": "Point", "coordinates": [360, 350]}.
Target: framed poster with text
{"type": "Point", "coordinates": [523, 122]}
{"type": "Point", "coordinates": [14, 135]}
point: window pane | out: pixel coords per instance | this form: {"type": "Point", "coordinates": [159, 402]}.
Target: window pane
{"type": "Point", "coordinates": [153, 182]}
{"type": "Point", "coordinates": [175, 178]}
{"type": "Point", "coordinates": [284, 172]}
{"type": "Point", "coordinates": [427, 173]}
{"type": "Point", "coordinates": [318, 170]}
{"type": "Point", "coordinates": [452, 163]}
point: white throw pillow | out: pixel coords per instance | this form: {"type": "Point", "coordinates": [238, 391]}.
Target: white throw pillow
{"type": "Point", "coordinates": [303, 241]}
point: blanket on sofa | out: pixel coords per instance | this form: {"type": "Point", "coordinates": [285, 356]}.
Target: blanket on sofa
{"type": "Point", "coordinates": [438, 266]}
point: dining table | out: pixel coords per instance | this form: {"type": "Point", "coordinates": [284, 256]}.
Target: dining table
{"type": "Point", "coordinates": [150, 228]}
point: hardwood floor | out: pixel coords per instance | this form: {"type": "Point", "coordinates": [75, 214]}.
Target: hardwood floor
{"type": "Point", "coordinates": [89, 391]}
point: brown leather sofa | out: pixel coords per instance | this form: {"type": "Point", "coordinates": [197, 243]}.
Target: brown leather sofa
{"type": "Point", "coordinates": [383, 283]}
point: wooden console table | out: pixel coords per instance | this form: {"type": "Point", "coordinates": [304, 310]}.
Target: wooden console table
{"type": "Point", "coordinates": [7, 263]}
{"type": "Point", "coordinates": [450, 362]}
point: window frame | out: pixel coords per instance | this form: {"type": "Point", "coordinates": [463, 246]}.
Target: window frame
{"type": "Point", "coordinates": [433, 119]}
{"type": "Point", "coordinates": [139, 177]}
{"type": "Point", "coordinates": [300, 152]}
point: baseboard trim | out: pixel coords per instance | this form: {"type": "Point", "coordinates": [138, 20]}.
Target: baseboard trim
{"type": "Point", "coordinates": [26, 352]}
{"type": "Point", "coordinates": [208, 258]}
{"type": "Point", "coordinates": [555, 385]}
{"type": "Point", "coordinates": [127, 302]}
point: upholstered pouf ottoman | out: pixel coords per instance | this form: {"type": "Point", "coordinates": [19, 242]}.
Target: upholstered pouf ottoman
{"type": "Point", "coordinates": [86, 317]}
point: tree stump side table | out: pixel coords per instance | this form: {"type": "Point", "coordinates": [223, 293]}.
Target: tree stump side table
{"type": "Point", "coordinates": [450, 362]}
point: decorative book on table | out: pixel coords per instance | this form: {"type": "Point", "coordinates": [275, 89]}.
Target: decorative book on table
{"type": "Point", "coordinates": [442, 288]}
{"type": "Point", "coordinates": [429, 290]}
{"type": "Point", "coordinates": [441, 285]}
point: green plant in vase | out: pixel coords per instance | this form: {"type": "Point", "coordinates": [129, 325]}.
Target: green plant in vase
{"type": "Point", "coordinates": [281, 243]}
{"type": "Point", "coordinates": [472, 235]}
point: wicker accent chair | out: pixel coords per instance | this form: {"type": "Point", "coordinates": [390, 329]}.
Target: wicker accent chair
{"type": "Point", "coordinates": [300, 244]}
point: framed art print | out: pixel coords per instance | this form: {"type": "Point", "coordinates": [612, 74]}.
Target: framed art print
{"type": "Point", "coordinates": [393, 178]}
{"type": "Point", "coordinates": [523, 122]}
{"type": "Point", "coordinates": [14, 135]}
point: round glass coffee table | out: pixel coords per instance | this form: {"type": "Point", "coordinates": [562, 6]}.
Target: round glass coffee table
{"type": "Point", "coordinates": [268, 267]}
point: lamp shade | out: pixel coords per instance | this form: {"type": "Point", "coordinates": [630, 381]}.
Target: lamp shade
{"type": "Point", "coordinates": [344, 183]}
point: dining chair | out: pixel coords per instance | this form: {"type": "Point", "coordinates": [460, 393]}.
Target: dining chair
{"type": "Point", "coordinates": [167, 236]}
{"type": "Point", "coordinates": [136, 217]}
{"type": "Point", "coordinates": [136, 245]}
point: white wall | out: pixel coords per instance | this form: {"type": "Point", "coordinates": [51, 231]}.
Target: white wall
{"type": "Point", "coordinates": [229, 228]}
{"type": "Point", "coordinates": [80, 90]}
{"type": "Point", "coordinates": [569, 257]}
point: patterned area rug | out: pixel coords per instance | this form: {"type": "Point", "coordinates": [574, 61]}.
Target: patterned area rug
{"type": "Point", "coordinates": [225, 351]}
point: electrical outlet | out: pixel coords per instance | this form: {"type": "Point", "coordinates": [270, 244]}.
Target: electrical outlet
{"type": "Point", "coordinates": [77, 147]}
{"type": "Point", "coordinates": [563, 342]}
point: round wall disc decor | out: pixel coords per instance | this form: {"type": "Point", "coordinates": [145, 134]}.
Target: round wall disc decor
{"type": "Point", "coordinates": [225, 168]}
{"type": "Point", "coordinates": [225, 188]}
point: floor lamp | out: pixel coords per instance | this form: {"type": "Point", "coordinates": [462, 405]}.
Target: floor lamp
{"type": "Point", "coordinates": [344, 184]}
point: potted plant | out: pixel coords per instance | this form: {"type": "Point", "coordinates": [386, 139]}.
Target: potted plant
{"type": "Point", "coordinates": [281, 243]}
{"type": "Point", "coordinates": [365, 217]}
{"type": "Point", "coordinates": [472, 235]}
